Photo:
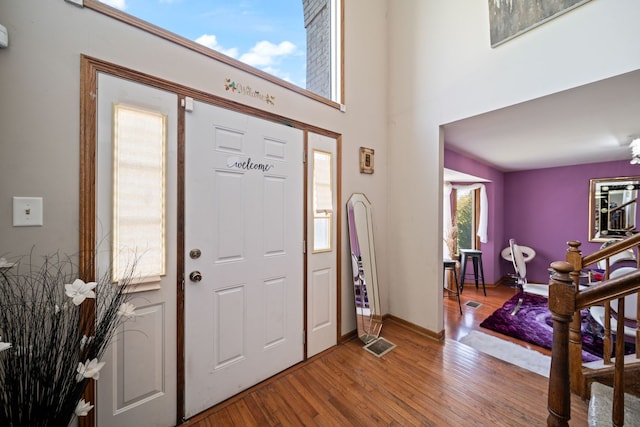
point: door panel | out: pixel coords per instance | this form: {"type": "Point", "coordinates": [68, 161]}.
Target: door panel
{"type": "Point", "coordinates": [138, 384]}
{"type": "Point", "coordinates": [243, 210]}
{"type": "Point", "coordinates": [322, 330]}
{"type": "Point", "coordinates": [321, 295]}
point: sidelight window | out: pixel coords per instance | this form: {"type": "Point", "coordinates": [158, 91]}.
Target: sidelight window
{"type": "Point", "coordinates": [322, 201]}
{"type": "Point", "coordinates": [139, 191]}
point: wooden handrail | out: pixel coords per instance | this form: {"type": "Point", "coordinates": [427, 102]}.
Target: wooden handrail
{"type": "Point", "coordinates": [607, 252]}
{"type": "Point", "coordinates": [608, 290]}
{"type": "Point", "coordinates": [566, 300]}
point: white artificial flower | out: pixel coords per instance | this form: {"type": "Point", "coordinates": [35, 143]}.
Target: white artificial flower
{"type": "Point", "coordinates": [90, 370]}
{"type": "Point", "coordinates": [83, 408]}
{"type": "Point", "coordinates": [127, 310]}
{"type": "Point", "coordinates": [84, 341]}
{"type": "Point", "coordinates": [79, 291]}
{"type": "Point", "coordinates": [4, 345]}
{"type": "Point", "coordinates": [5, 264]}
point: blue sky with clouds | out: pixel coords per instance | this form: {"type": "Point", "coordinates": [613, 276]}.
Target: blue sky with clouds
{"type": "Point", "coordinates": [267, 34]}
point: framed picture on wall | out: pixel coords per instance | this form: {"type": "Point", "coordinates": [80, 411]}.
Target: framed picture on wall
{"type": "Point", "coordinates": [366, 160]}
{"type": "Point", "coordinates": [509, 19]}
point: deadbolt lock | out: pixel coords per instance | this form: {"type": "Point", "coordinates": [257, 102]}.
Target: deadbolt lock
{"type": "Point", "coordinates": [195, 253]}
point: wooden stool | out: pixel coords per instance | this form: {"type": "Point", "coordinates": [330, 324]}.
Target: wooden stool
{"type": "Point", "coordinates": [476, 257]}
{"type": "Point", "coordinates": [450, 264]}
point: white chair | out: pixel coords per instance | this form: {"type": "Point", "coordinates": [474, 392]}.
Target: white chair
{"type": "Point", "coordinates": [630, 306]}
{"type": "Point", "coordinates": [621, 259]}
{"type": "Point", "coordinates": [527, 252]}
{"type": "Point", "coordinates": [520, 266]}
{"type": "Point", "coordinates": [627, 255]}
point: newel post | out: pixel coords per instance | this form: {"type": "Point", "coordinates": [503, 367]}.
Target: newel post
{"type": "Point", "coordinates": [562, 307]}
{"type": "Point", "coordinates": [574, 254]}
{"type": "Point", "coordinates": [574, 257]}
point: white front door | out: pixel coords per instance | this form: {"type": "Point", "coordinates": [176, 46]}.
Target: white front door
{"type": "Point", "coordinates": [244, 253]}
{"type": "Point", "coordinates": [138, 385]}
{"type": "Point", "coordinates": [322, 208]}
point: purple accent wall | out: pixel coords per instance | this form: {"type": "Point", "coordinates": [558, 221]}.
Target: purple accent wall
{"type": "Point", "coordinates": [545, 208]}
{"type": "Point", "coordinates": [495, 234]}
{"type": "Point", "coordinates": [542, 209]}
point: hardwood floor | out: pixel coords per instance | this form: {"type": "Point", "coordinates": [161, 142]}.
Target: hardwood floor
{"type": "Point", "coordinates": [457, 326]}
{"type": "Point", "coordinates": [420, 382]}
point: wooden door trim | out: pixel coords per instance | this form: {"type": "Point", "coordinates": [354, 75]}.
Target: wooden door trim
{"type": "Point", "coordinates": [88, 147]}
{"type": "Point", "coordinates": [89, 69]}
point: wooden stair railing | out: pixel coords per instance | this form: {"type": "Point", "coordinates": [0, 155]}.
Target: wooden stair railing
{"type": "Point", "coordinates": [574, 256]}
{"type": "Point", "coordinates": [565, 303]}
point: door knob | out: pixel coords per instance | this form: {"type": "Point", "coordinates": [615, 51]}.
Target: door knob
{"type": "Point", "coordinates": [195, 276]}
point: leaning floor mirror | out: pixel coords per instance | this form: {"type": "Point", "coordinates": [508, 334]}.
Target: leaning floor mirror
{"type": "Point", "coordinates": [363, 261]}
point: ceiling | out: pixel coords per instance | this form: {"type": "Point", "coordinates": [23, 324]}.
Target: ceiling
{"type": "Point", "coordinates": [588, 124]}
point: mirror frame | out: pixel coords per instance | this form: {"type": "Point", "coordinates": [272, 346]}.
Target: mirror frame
{"type": "Point", "coordinates": [360, 228]}
{"type": "Point", "coordinates": [595, 186]}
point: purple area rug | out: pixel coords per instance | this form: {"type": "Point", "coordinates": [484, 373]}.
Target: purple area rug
{"type": "Point", "coordinates": [533, 324]}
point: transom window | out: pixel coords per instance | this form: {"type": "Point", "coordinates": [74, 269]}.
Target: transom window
{"type": "Point", "coordinates": [296, 41]}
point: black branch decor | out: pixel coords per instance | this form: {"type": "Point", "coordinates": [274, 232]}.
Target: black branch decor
{"type": "Point", "coordinates": [49, 347]}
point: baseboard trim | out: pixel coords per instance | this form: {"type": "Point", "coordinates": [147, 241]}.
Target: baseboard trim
{"type": "Point", "coordinates": [348, 336]}
{"type": "Point", "coordinates": [438, 336]}
{"type": "Point", "coordinates": [505, 281]}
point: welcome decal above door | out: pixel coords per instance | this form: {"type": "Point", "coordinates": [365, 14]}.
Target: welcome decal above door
{"type": "Point", "coordinates": [241, 89]}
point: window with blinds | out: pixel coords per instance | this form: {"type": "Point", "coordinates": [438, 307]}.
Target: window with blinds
{"type": "Point", "coordinates": [139, 186]}
{"type": "Point", "coordinates": [322, 201]}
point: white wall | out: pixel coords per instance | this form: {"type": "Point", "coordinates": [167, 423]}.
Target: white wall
{"type": "Point", "coordinates": [442, 69]}
{"type": "Point", "coordinates": [410, 66]}
{"type": "Point", "coordinates": [40, 110]}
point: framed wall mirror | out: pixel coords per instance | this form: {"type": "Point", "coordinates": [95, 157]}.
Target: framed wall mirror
{"type": "Point", "coordinates": [613, 208]}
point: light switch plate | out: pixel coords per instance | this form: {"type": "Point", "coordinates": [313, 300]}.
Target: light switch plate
{"type": "Point", "coordinates": [27, 211]}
